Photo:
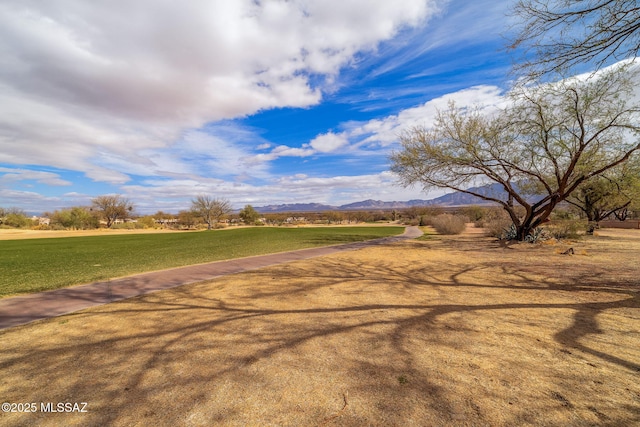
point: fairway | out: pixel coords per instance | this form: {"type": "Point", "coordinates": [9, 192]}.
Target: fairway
{"type": "Point", "coordinates": [35, 265]}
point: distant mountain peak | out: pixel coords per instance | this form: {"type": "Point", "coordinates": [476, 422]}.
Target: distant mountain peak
{"type": "Point", "coordinates": [451, 199]}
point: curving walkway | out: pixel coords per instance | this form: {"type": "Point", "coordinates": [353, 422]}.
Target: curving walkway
{"type": "Point", "coordinates": [20, 310]}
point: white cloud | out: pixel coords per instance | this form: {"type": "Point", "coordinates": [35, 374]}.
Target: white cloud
{"type": "Point", "coordinates": [10, 175]}
{"type": "Point", "coordinates": [176, 194]}
{"type": "Point", "coordinates": [328, 142]}
{"type": "Point", "coordinates": [27, 200]}
{"type": "Point", "coordinates": [94, 86]}
{"type": "Point", "coordinates": [383, 132]}
{"type": "Point", "coordinates": [365, 137]}
{"type": "Point", "coordinates": [280, 151]}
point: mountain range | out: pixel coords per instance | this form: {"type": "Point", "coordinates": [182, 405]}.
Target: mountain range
{"type": "Point", "coordinates": [452, 199]}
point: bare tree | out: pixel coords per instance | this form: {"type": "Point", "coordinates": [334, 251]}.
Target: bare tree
{"type": "Point", "coordinates": [550, 140]}
{"type": "Point", "coordinates": [211, 210]}
{"type": "Point", "coordinates": [112, 207]}
{"type": "Point", "coordinates": [558, 34]}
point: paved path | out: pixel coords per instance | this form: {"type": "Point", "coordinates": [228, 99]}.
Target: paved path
{"type": "Point", "coordinates": [24, 309]}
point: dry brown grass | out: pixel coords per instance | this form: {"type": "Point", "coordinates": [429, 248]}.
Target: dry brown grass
{"type": "Point", "coordinates": [17, 233]}
{"type": "Point", "coordinates": [447, 331]}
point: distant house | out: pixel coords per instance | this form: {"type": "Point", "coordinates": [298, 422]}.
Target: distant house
{"type": "Point", "coordinates": [294, 219]}
{"type": "Point", "coordinates": [41, 220]}
{"type": "Point", "coordinates": [123, 221]}
{"type": "Point", "coordinates": [166, 221]}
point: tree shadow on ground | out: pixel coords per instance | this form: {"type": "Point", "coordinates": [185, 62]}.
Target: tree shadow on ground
{"type": "Point", "coordinates": [343, 340]}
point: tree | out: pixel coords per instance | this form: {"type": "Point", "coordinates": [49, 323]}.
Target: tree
{"type": "Point", "coordinates": [209, 209]}
{"type": "Point", "coordinates": [633, 210]}
{"type": "Point", "coordinates": [112, 207]}
{"type": "Point", "coordinates": [361, 216]}
{"type": "Point", "coordinates": [612, 193]}
{"type": "Point", "coordinates": [549, 140]}
{"type": "Point", "coordinates": [77, 218]}
{"type": "Point", "coordinates": [249, 215]}
{"type": "Point", "coordinates": [558, 34]}
{"type": "Point", "coordinates": [333, 217]}
{"type": "Point", "coordinates": [14, 217]}
{"type": "Point", "coordinates": [187, 218]}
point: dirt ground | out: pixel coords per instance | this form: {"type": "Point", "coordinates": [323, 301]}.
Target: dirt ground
{"type": "Point", "coordinates": [444, 331]}
{"type": "Point", "coordinates": [16, 233]}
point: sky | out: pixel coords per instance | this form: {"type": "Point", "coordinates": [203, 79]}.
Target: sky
{"type": "Point", "coordinates": [255, 101]}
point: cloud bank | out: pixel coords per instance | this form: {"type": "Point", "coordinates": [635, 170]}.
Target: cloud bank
{"type": "Point", "coordinates": [104, 87]}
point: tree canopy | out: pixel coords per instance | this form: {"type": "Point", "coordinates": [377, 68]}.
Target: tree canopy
{"type": "Point", "coordinates": [614, 192]}
{"type": "Point", "coordinates": [549, 140]}
{"type": "Point", "coordinates": [77, 218]}
{"type": "Point", "coordinates": [210, 209]}
{"type": "Point", "coordinates": [249, 215]}
{"type": "Point", "coordinates": [557, 35]}
{"type": "Point", "coordinates": [112, 207]}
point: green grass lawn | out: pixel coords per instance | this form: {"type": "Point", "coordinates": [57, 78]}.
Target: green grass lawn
{"type": "Point", "coordinates": [34, 265]}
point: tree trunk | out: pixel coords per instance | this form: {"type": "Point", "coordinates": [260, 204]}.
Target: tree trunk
{"type": "Point", "coordinates": [522, 232]}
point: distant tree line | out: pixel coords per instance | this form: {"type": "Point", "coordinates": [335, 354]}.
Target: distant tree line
{"type": "Point", "coordinates": [605, 200]}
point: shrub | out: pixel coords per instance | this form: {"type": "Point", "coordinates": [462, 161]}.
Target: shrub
{"type": "Point", "coordinates": [496, 223]}
{"type": "Point", "coordinates": [537, 235]}
{"type": "Point", "coordinates": [498, 227]}
{"type": "Point", "coordinates": [147, 222]}
{"type": "Point", "coordinates": [127, 226]}
{"type": "Point", "coordinates": [16, 220]}
{"type": "Point", "coordinates": [75, 218]}
{"type": "Point", "coordinates": [562, 214]}
{"type": "Point", "coordinates": [475, 213]}
{"type": "Point", "coordinates": [449, 224]}
{"type": "Point", "coordinates": [566, 229]}
{"type": "Point", "coordinates": [413, 222]}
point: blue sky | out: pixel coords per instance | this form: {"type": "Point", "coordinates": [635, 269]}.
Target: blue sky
{"type": "Point", "coordinates": [258, 102]}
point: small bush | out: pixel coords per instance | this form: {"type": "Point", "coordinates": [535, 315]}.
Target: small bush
{"type": "Point", "coordinates": [566, 229]}
{"type": "Point", "coordinates": [16, 220]}
{"type": "Point", "coordinates": [498, 227]}
{"type": "Point", "coordinates": [475, 213]}
{"type": "Point", "coordinates": [562, 214]}
{"type": "Point", "coordinates": [127, 226]}
{"type": "Point", "coordinates": [449, 224]}
{"type": "Point", "coordinates": [41, 227]}
{"type": "Point", "coordinates": [496, 222]}
{"type": "Point", "coordinates": [147, 222]}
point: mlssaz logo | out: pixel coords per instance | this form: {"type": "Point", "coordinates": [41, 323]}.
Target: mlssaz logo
{"type": "Point", "coordinates": [63, 407]}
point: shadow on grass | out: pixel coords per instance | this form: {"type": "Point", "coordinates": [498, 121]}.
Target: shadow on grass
{"type": "Point", "coordinates": [367, 342]}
